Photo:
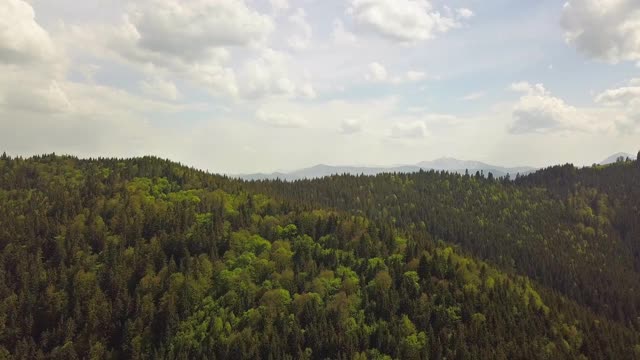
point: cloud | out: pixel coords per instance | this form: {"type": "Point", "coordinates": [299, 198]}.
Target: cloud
{"type": "Point", "coordinates": [606, 30]}
{"type": "Point", "coordinates": [626, 100]}
{"type": "Point", "coordinates": [307, 91]}
{"type": "Point", "coordinates": [537, 111]}
{"type": "Point", "coordinates": [622, 96]}
{"type": "Point", "coordinates": [301, 39]}
{"type": "Point", "coordinates": [414, 76]}
{"type": "Point", "coordinates": [32, 67]}
{"type": "Point", "coordinates": [269, 75]}
{"type": "Point", "coordinates": [32, 95]}
{"type": "Point", "coordinates": [22, 40]}
{"type": "Point", "coordinates": [465, 13]}
{"type": "Point", "coordinates": [42, 110]}
{"type": "Point", "coordinates": [192, 29]}
{"type": "Point", "coordinates": [405, 21]}
{"type": "Point", "coordinates": [227, 57]}
{"type": "Point", "coordinates": [280, 120]}
{"type": "Point", "coordinates": [409, 130]}
{"type": "Point", "coordinates": [350, 126]}
{"type": "Point", "coordinates": [82, 119]}
{"type": "Point", "coordinates": [473, 96]}
{"type": "Point", "coordinates": [279, 5]}
{"type": "Point", "coordinates": [186, 39]}
{"type": "Point", "coordinates": [160, 88]}
{"type": "Point", "coordinates": [530, 89]}
{"type": "Point", "coordinates": [218, 79]}
{"type": "Point", "coordinates": [340, 35]}
{"type": "Point", "coordinates": [376, 72]}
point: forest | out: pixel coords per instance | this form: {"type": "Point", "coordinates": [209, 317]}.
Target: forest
{"type": "Point", "coordinates": [144, 258]}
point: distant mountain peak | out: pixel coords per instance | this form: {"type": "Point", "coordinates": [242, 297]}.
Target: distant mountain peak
{"type": "Point", "coordinates": [614, 158]}
{"type": "Point", "coordinates": [449, 164]}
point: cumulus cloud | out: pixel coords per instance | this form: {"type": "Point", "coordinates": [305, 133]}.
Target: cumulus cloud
{"type": "Point", "coordinates": [350, 126]}
{"type": "Point", "coordinates": [191, 29]}
{"type": "Point", "coordinates": [279, 5]}
{"type": "Point", "coordinates": [530, 89]}
{"type": "Point", "coordinates": [413, 76]}
{"type": "Point", "coordinates": [473, 96]}
{"type": "Point", "coordinates": [22, 40]}
{"type": "Point", "coordinates": [218, 79]}
{"type": "Point", "coordinates": [42, 110]}
{"type": "Point", "coordinates": [33, 95]}
{"type": "Point", "coordinates": [268, 75]}
{"type": "Point", "coordinates": [409, 130]}
{"type": "Point", "coordinates": [537, 111]}
{"type": "Point", "coordinates": [605, 30]}
{"type": "Point", "coordinates": [218, 45]}
{"type": "Point", "coordinates": [280, 120]}
{"type": "Point", "coordinates": [341, 35]}
{"type": "Point", "coordinates": [301, 39]}
{"type": "Point", "coordinates": [160, 88]}
{"type": "Point", "coordinates": [189, 39]}
{"type": "Point", "coordinates": [83, 119]}
{"type": "Point", "coordinates": [626, 100]}
{"type": "Point", "coordinates": [621, 96]}
{"type": "Point", "coordinates": [465, 13]}
{"type": "Point", "coordinates": [31, 65]}
{"type": "Point", "coordinates": [376, 72]}
{"type": "Point", "coordinates": [405, 21]}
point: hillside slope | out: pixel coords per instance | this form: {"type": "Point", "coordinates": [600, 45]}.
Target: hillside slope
{"type": "Point", "coordinates": [144, 258]}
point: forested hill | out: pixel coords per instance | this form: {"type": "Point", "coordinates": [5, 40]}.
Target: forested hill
{"type": "Point", "coordinates": [147, 259]}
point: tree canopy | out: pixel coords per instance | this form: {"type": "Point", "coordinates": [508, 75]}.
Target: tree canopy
{"type": "Point", "coordinates": [144, 258]}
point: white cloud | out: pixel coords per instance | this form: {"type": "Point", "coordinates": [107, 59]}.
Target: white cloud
{"type": "Point", "coordinates": [269, 75]}
{"type": "Point", "coordinates": [307, 91]}
{"type": "Point", "coordinates": [160, 88]}
{"type": "Point", "coordinates": [187, 39]}
{"type": "Point", "coordinates": [620, 96]}
{"type": "Point", "coordinates": [45, 96]}
{"type": "Point", "coordinates": [409, 130]}
{"type": "Point", "coordinates": [216, 78]}
{"type": "Point", "coordinates": [537, 111]}
{"type": "Point", "coordinates": [473, 96]}
{"type": "Point", "coordinates": [607, 30]}
{"type": "Point", "coordinates": [530, 89]}
{"type": "Point", "coordinates": [280, 120]}
{"type": "Point", "coordinates": [279, 5]}
{"type": "Point", "coordinates": [376, 72]}
{"type": "Point", "coordinates": [340, 35]}
{"type": "Point", "coordinates": [414, 76]}
{"type": "Point", "coordinates": [31, 65]}
{"type": "Point", "coordinates": [301, 39]}
{"type": "Point", "coordinates": [81, 119]}
{"type": "Point", "coordinates": [350, 126]}
{"type": "Point", "coordinates": [626, 100]}
{"type": "Point", "coordinates": [465, 13]}
{"type": "Point", "coordinates": [22, 40]}
{"type": "Point", "coordinates": [191, 29]}
{"type": "Point", "coordinates": [405, 21]}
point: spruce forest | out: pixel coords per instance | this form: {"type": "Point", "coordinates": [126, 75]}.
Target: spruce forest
{"type": "Point", "coordinates": [144, 258]}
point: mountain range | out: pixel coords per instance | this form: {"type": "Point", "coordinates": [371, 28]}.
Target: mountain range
{"type": "Point", "coordinates": [446, 164]}
{"type": "Point", "coordinates": [614, 158]}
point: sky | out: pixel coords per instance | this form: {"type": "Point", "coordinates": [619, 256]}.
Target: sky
{"type": "Point", "coordinates": [240, 86]}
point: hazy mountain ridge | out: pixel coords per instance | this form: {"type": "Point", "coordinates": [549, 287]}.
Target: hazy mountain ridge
{"type": "Point", "coordinates": [447, 164]}
{"type": "Point", "coordinates": [614, 158]}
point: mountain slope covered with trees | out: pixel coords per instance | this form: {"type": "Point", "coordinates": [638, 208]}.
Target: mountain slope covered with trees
{"type": "Point", "coordinates": [148, 259]}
